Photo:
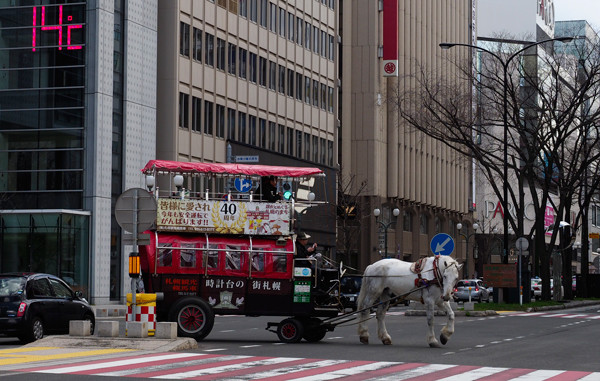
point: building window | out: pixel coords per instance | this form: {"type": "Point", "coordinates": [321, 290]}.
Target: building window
{"type": "Point", "coordinates": [281, 79]}
{"type": "Point", "coordinates": [299, 32]}
{"type": "Point", "coordinates": [281, 138]}
{"type": "Point", "coordinates": [329, 99]}
{"type": "Point", "coordinates": [299, 144]}
{"type": "Point", "coordinates": [290, 82]}
{"type": "Point", "coordinates": [272, 136]}
{"type": "Point", "coordinates": [291, 26]}
{"type": "Point", "coordinates": [184, 110]}
{"type": "Point", "coordinates": [208, 118]}
{"type": "Point", "coordinates": [595, 215]}
{"type": "Point", "coordinates": [307, 35]}
{"type": "Point", "coordinates": [307, 91]}
{"type": "Point", "coordinates": [316, 39]}
{"type": "Point", "coordinates": [196, 115]}
{"type": "Point", "coordinates": [315, 93]}
{"type": "Point", "coordinates": [264, 10]}
{"type": "Point", "coordinates": [272, 75]}
{"type": "Point", "coordinates": [243, 8]}
{"type": "Point", "coordinates": [423, 224]}
{"type": "Point", "coordinates": [299, 87]}
{"type": "Point", "coordinates": [323, 151]}
{"type": "Point", "coordinates": [315, 149]}
{"type": "Point", "coordinates": [220, 54]}
{"type": "Point", "coordinates": [233, 6]}
{"type": "Point", "coordinates": [252, 130]}
{"type": "Point", "coordinates": [407, 221]}
{"type": "Point", "coordinates": [184, 39]}
{"type": "Point", "coordinates": [273, 18]}
{"type": "Point", "coordinates": [252, 67]}
{"type": "Point", "coordinates": [242, 126]}
{"type": "Point", "coordinates": [253, 10]}
{"type": "Point", "coordinates": [262, 133]}
{"type": "Point", "coordinates": [282, 22]}
{"type": "Point", "coordinates": [331, 45]}
{"type": "Point", "coordinates": [197, 53]}
{"type": "Point", "coordinates": [290, 141]}
{"type": "Point", "coordinates": [307, 146]}
{"type": "Point", "coordinates": [262, 71]}
{"type": "Point", "coordinates": [220, 121]}
{"type": "Point", "coordinates": [231, 124]}
{"type": "Point", "coordinates": [323, 96]}
{"type": "Point", "coordinates": [324, 44]}
{"type": "Point", "coordinates": [210, 49]}
{"type": "Point", "coordinates": [438, 224]}
{"type": "Point", "coordinates": [243, 57]}
{"type": "Point", "coordinates": [330, 153]}
{"type": "Point", "coordinates": [222, 3]}
{"type": "Point", "coordinates": [231, 59]}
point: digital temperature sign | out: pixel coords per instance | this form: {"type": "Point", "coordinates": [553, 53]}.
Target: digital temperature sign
{"type": "Point", "coordinates": [50, 24]}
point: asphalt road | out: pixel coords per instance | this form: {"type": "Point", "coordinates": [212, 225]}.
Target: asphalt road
{"type": "Point", "coordinates": [553, 340]}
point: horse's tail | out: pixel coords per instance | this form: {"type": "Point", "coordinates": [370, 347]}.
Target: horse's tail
{"type": "Point", "coordinates": [364, 289]}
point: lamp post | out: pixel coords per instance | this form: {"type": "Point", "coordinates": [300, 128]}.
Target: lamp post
{"type": "Point", "coordinates": [385, 226]}
{"type": "Point", "coordinates": [505, 64]}
{"type": "Point", "coordinates": [467, 236]}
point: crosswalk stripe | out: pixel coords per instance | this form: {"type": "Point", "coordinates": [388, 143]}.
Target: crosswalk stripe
{"type": "Point", "coordinates": [203, 366]}
{"type": "Point", "coordinates": [116, 363]}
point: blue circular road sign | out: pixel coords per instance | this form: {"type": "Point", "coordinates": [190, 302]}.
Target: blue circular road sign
{"type": "Point", "coordinates": [442, 244]}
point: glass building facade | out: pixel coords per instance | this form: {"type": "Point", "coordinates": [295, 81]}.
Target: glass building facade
{"type": "Point", "coordinates": [42, 128]}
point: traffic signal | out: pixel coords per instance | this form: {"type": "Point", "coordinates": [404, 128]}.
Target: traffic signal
{"type": "Point", "coordinates": [287, 190]}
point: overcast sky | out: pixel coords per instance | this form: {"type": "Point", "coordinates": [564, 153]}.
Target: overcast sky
{"type": "Point", "coordinates": [588, 10]}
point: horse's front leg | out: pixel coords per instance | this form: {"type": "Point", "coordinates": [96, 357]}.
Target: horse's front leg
{"type": "Point", "coordinates": [448, 329]}
{"type": "Point", "coordinates": [430, 310]}
{"type": "Point", "coordinates": [382, 332]}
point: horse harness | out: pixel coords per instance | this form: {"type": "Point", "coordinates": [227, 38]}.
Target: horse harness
{"type": "Point", "coordinates": [421, 282]}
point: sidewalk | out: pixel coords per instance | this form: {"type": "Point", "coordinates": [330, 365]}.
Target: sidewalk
{"type": "Point", "coordinates": [115, 313]}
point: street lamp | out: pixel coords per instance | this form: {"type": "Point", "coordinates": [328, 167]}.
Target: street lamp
{"type": "Point", "coordinates": [385, 226]}
{"type": "Point", "coordinates": [467, 236]}
{"type": "Point", "coordinates": [445, 45]}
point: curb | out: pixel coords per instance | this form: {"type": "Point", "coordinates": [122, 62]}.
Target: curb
{"type": "Point", "coordinates": [149, 344]}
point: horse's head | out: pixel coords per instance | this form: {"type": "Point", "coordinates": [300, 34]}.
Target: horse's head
{"type": "Point", "coordinates": [450, 270]}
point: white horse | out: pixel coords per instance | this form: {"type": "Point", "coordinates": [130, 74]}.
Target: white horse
{"type": "Point", "coordinates": [429, 281]}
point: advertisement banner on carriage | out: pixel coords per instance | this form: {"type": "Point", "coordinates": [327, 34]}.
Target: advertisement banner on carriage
{"type": "Point", "coordinates": [223, 217]}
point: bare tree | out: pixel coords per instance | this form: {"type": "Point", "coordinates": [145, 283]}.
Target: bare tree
{"type": "Point", "coordinates": [349, 216]}
{"type": "Point", "coordinates": [538, 108]}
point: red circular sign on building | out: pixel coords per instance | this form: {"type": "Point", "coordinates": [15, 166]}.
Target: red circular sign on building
{"type": "Point", "coordinates": [390, 67]}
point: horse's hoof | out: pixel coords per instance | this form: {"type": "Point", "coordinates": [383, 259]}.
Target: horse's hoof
{"type": "Point", "coordinates": [443, 339]}
{"type": "Point", "coordinates": [387, 341]}
{"type": "Point", "coordinates": [435, 345]}
{"type": "Point", "coordinates": [364, 340]}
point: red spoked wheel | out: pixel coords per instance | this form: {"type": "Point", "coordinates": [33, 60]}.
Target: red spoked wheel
{"type": "Point", "coordinates": [194, 318]}
{"type": "Point", "coordinates": [290, 330]}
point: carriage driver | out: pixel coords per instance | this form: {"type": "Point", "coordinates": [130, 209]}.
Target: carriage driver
{"type": "Point", "coordinates": [302, 251]}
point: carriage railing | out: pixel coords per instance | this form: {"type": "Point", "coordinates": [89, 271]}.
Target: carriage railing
{"type": "Point", "coordinates": [251, 253]}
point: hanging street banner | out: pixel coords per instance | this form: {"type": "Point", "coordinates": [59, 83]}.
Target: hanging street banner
{"type": "Point", "coordinates": [390, 38]}
{"type": "Point", "coordinates": [223, 217]}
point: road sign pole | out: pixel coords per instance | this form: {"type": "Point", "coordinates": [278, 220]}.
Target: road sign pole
{"type": "Point", "coordinates": [136, 251]}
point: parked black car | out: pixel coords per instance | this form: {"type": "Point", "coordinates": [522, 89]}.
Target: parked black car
{"type": "Point", "coordinates": [33, 305]}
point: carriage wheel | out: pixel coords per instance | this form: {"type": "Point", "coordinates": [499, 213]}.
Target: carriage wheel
{"type": "Point", "coordinates": [290, 331]}
{"type": "Point", "coordinates": [194, 318]}
{"type": "Point", "coordinates": [313, 330]}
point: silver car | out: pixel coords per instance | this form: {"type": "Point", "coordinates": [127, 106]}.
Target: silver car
{"type": "Point", "coordinates": [473, 287]}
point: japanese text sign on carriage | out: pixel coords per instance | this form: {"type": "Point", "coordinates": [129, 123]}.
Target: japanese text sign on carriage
{"type": "Point", "coordinates": [224, 217]}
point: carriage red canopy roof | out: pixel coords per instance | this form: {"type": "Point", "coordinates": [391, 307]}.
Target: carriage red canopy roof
{"type": "Point", "coordinates": [230, 168]}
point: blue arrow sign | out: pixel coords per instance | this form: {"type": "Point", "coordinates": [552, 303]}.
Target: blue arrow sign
{"type": "Point", "coordinates": [442, 244]}
{"type": "Point", "coordinates": [242, 185]}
